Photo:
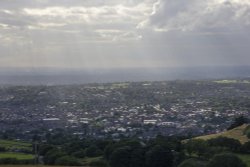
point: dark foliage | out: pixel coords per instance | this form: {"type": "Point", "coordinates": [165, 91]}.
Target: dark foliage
{"type": "Point", "coordinates": [229, 143]}
{"type": "Point", "coordinates": [238, 122]}
{"type": "Point", "coordinates": [226, 160]}
{"type": "Point", "coordinates": [67, 161]}
{"type": "Point", "coordinates": [193, 163]}
{"type": "Point", "coordinates": [159, 157]}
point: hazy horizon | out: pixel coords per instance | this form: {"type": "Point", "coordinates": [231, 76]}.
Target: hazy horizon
{"type": "Point", "coordinates": [59, 76]}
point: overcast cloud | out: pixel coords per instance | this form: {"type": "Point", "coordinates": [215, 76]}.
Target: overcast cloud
{"type": "Point", "coordinates": [124, 33]}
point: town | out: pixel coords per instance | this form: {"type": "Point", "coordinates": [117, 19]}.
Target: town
{"type": "Point", "coordinates": [130, 109]}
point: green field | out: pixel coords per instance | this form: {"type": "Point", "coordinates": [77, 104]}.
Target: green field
{"type": "Point", "coordinates": [18, 156]}
{"type": "Point", "coordinates": [11, 144]}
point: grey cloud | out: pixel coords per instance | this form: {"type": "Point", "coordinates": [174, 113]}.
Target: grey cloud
{"type": "Point", "coordinates": [196, 15]}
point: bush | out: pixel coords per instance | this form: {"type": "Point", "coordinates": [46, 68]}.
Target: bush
{"type": "Point", "coordinates": [98, 163]}
{"type": "Point", "coordinates": [120, 157]}
{"type": "Point", "coordinates": [137, 158]}
{"type": "Point", "coordinates": [79, 154]}
{"type": "Point", "coordinates": [231, 144]}
{"type": "Point", "coordinates": [215, 150]}
{"type": "Point", "coordinates": [159, 157]}
{"type": "Point", "coordinates": [226, 160]}
{"type": "Point", "coordinates": [248, 135]}
{"type": "Point", "coordinates": [67, 161]}
{"type": "Point", "coordinates": [52, 155]}
{"type": "Point", "coordinates": [192, 163]}
{"type": "Point", "coordinates": [2, 149]}
{"type": "Point", "coordinates": [12, 161]}
{"type": "Point", "coordinates": [43, 149]}
{"type": "Point", "coordinates": [246, 147]}
{"type": "Point", "coordinates": [93, 151]}
{"type": "Point", "coordinates": [26, 161]}
{"type": "Point", "coordinates": [238, 122]}
{"type": "Point", "coordinates": [197, 146]}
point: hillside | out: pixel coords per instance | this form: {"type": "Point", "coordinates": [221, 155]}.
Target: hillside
{"type": "Point", "coordinates": [236, 133]}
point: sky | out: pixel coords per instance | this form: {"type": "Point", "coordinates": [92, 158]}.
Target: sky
{"type": "Point", "coordinates": [124, 33]}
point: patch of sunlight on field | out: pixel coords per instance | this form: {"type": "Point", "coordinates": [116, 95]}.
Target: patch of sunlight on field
{"type": "Point", "coordinates": [236, 133]}
{"type": "Point", "coordinates": [232, 81]}
{"type": "Point", "coordinates": [19, 156]}
{"type": "Point", "coordinates": [119, 85]}
{"type": "Point", "coordinates": [15, 144]}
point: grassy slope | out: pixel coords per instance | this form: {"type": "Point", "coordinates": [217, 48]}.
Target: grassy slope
{"type": "Point", "coordinates": [236, 133]}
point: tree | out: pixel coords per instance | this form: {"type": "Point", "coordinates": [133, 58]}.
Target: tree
{"type": "Point", "coordinates": [120, 157]}
{"type": "Point", "coordinates": [137, 158]}
{"type": "Point", "coordinates": [159, 157]}
{"type": "Point", "coordinates": [238, 122]}
{"type": "Point", "coordinates": [2, 149]}
{"type": "Point", "coordinates": [51, 156]}
{"type": "Point", "coordinates": [79, 154]}
{"type": "Point", "coordinates": [67, 161]}
{"type": "Point", "coordinates": [93, 151]}
{"type": "Point", "coordinates": [226, 160]}
{"type": "Point", "coordinates": [197, 146]}
{"type": "Point", "coordinates": [98, 163]}
{"type": "Point", "coordinates": [43, 149]}
{"type": "Point", "coordinates": [230, 143]}
{"type": "Point", "coordinates": [246, 147]}
{"type": "Point", "coordinates": [108, 151]}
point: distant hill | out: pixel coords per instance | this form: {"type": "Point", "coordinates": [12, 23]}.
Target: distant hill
{"type": "Point", "coordinates": [236, 133]}
{"type": "Point", "coordinates": [61, 76]}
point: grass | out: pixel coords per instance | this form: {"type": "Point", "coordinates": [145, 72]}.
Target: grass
{"type": "Point", "coordinates": [245, 158]}
{"type": "Point", "coordinates": [236, 133]}
{"type": "Point", "coordinates": [11, 144]}
{"type": "Point", "coordinates": [31, 166]}
{"type": "Point", "coordinates": [18, 156]}
{"type": "Point", "coordinates": [87, 160]}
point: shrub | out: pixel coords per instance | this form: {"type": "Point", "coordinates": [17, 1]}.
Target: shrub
{"type": "Point", "coordinates": [226, 160]}
{"type": "Point", "coordinates": [8, 161]}
{"type": "Point", "coordinates": [238, 122]}
{"type": "Point", "coordinates": [67, 161]}
{"type": "Point", "coordinates": [246, 147]}
{"type": "Point", "coordinates": [79, 154]}
{"type": "Point", "coordinates": [231, 144]}
{"type": "Point", "coordinates": [93, 151]}
{"type": "Point", "coordinates": [192, 163]}
{"type": "Point", "coordinates": [120, 157]}
{"type": "Point", "coordinates": [2, 149]}
{"type": "Point", "coordinates": [52, 155]}
{"type": "Point", "coordinates": [159, 157]}
{"type": "Point", "coordinates": [98, 163]}
{"type": "Point", "coordinates": [248, 135]}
